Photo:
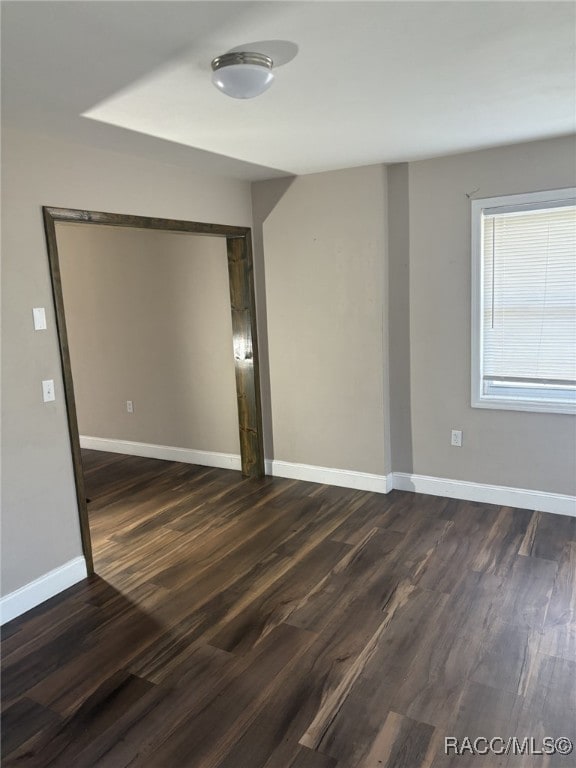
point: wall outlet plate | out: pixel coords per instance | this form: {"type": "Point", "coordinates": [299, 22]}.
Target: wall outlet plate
{"type": "Point", "coordinates": [48, 390]}
{"type": "Point", "coordinates": [456, 439]}
{"type": "Point", "coordinates": [39, 315]}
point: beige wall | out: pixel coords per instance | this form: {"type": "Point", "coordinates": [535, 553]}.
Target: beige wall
{"type": "Point", "coordinates": [524, 450]}
{"type": "Point", "coordinates": [398, 315]}
{"type": "Point", "coordinates": [324, 239]}
{"type": "Point", "coordinates": [39, 516]}
{"type": "Point", "coordinates": [148, 319]}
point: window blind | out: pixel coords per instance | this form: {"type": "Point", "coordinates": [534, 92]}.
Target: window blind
{"type": "Point", "coordinates": [529, 296]}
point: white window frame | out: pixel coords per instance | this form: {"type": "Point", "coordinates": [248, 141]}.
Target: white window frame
{"type": "Point", "coordinates": [505, 397]}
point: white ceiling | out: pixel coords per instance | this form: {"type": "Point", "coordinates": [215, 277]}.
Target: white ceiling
{"type": "Point", "coordinates": [371, 81]}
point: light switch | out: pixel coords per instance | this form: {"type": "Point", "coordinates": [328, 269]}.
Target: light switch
{"type": "Point", "coordinates": [39, 318]}
{"type": "Point", "coordinates": [48, 390]}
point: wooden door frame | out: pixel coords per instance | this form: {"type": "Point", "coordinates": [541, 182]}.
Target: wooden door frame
{"type": "Point", "coordinates": [245, 342]}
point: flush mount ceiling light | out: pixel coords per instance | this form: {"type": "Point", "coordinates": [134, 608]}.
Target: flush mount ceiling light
{"type": "Point", "coordinates": [242, 75]}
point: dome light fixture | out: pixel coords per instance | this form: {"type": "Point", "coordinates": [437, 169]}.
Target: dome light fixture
{"type": "Point", "coordinates": [242, 74]}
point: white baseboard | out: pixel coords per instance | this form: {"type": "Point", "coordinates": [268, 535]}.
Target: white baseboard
{"type": "Point", "coordinates": [504, 496]}
{"type": "Point", "coordinates": [344, 478]}
{"type": "Point", "coordinates": [41, 589]}
{"type": "Point", "coordinates": [167, 452]}
{"type": "Point", "coordinates": [543, 501]}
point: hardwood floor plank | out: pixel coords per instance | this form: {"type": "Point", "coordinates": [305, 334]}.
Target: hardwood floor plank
{"type": "Point", "coordinates": [459, 547]}
{"type": "Point", "coordinates": [241, 631]}
{"type": "Point", "coordinates": [506, 657]}
{"type": "Point", "coordinates": [215, 730]}
{"type": "Point", "coordinates": [349, 580]}
{"type": "Point", "coordinates": [559, 633]}
{"type": "Point", "coordinates": [528, 541]}
{"type": "Point", "coordinates": [163, 710]}
{"type": "Point", "coordinates": [400, 742]}
{"type": "Point", "coordinates": [552, 532]}
{"type": "Point", "coordinates": [110, 648]}
{"type": "Point", "coordinates": [347, 729]}
{"type": "Point", "coordinates": [23, 721]}
{"type": "Point", "coordinates": [369, 510]}
{"type": "Point", "coordinates": [24, 666]}
{"type": "Point", "coordinates": [319, 728]}
{"type": "Point", "coordinates": [549, 708]}
{"type": "Point", "coordinates": [275, 729]}
{"type": "Point", "coordinates": [500, 548]}
{"type": "Point", "coordinates": [306, 758]}
{"type": "Point", "coordinates": [62, 745]}
{"type": "Point", "coordinates": [528, 591]}
{"type": "Point", "coordinates": [409, 511]}
{"type": "Point", "coordinates": [486, 713]}
{"type": "Point", "coordinates": [430, 690]}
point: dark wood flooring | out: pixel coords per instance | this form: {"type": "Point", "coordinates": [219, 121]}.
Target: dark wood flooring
{"type": "Point", "coordinates": [283, 624]}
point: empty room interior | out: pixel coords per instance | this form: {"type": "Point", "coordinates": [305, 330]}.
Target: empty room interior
{"type": "Point", "coordinates": [288, 384]}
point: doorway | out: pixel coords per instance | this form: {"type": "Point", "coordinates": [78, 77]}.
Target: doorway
{"type": "Point", "coordinates": [244, 336]}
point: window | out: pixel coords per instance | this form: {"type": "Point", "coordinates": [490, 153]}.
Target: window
{"type": "Point", "coordinates": [524, 302]}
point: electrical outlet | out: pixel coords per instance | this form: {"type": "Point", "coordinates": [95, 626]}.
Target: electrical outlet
{"type": "Point", "coordinates": [48, 390]}
{"type": "Point", "coordinates": [129, 406]}
{"type": "Point", "coordinates": [456, 438]}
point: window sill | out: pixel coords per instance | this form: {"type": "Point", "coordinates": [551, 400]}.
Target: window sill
{"type": "Point", "coordinates": [516, 404]}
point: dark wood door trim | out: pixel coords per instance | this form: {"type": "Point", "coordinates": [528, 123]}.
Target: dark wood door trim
{"type": "Point", "coordinates": [242, 306]}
